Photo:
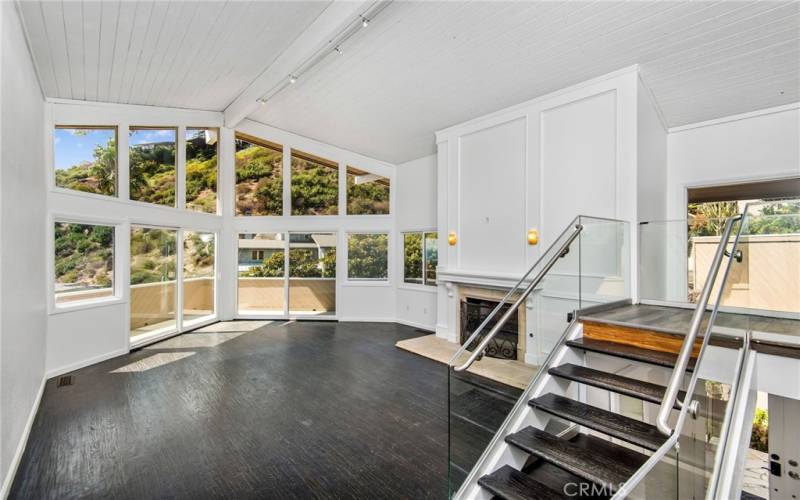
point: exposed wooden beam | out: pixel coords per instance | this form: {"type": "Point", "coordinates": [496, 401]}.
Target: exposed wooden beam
{"type": "Point", "coordinates": [325, 27]}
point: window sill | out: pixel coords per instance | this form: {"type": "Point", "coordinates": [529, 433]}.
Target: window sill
{"type": "Point", "coordinates": [84, 305]}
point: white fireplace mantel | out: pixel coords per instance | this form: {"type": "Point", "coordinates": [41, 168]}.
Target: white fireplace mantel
{"type": "Point", "coordinates": [500, 281]}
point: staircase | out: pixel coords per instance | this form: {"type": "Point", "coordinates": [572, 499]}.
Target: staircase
{"type": "Point", "coordinates": [609, 447]}
{"type": "Point", "coordinates": [569, 434]}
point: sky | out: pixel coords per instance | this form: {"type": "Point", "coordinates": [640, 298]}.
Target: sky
{"type": "Point", "coordinates": [72, 149]}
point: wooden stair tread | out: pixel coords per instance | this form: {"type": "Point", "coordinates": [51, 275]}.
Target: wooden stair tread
{"type": "Point", "coordinates": [510, 484]}
{"type": "Point", "coordinates": [612, 424]}
{"type": "Point", "coordinates": [591, 458]}
{"type": "Point", "coordinates": [629, 352]}
{"type": "Point", "coordinates": [646, 391]}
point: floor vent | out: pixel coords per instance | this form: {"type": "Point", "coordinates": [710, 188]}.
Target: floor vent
{"type": "Point", "coordinates": [65, 380]}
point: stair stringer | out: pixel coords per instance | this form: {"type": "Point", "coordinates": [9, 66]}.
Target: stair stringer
{"type": "Point", "coordinates": [498, 452]}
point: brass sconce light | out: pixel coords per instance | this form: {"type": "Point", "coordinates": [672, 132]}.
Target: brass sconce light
{"type": "Point", "coordinates": [533, 236]}
{"type": "Point", "coordinates": [451, 239]}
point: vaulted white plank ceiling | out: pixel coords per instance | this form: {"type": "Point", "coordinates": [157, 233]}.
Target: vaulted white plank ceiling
{"type": "Point", "coordinates": [419, 66]}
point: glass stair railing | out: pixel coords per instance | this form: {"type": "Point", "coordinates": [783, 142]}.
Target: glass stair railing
{"type": "Point", "coordinates": [605, 406]}
{"type": "Point", "coordinates": [588, 264]}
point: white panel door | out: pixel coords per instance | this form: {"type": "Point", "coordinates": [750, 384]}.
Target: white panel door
{"type": "Point", "coordinates": [492, 199]}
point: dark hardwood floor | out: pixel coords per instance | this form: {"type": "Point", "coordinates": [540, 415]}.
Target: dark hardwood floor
{"type": "Point", "coordinates": [299, 410]}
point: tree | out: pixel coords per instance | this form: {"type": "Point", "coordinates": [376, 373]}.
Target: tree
{"type": "Point", "coordinates": [413, 257]}
{"type": "Point", "coordinates": [367, 256]}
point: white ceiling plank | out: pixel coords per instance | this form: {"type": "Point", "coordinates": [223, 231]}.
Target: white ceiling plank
{"type": "Point", "coordinates": [75, 41]}
{"type": "Point", "coordinates": [419, 67]}
{"type": "Point", "coordinates": [143, 23]}
{"type": "Point", "coordinates": [54, 24]}
{"type": "Point", "coordinates": [92, 27]}
{"type": "Point", "coordinates": [31, 13]}
{"type": "Point", "coordinates": [128, 12]}
{"type": "Point", "coordinates": [109, 20]}
{"type": "Point", "coordinates": [202, 28]}
{"type": "Point", "coordinates": [330, 22]}
{"type": "Point", "coordinates": [161, 19]}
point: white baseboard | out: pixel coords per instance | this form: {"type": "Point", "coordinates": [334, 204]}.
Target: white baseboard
{"type": "Point", "coordinates": [360, 319]}
{"type": "Point", "coordinates": [23, 441]}
{"type": "Point", "coordinates": [82, 364]}
{"type": "Point", "coordinates": [414, 324]}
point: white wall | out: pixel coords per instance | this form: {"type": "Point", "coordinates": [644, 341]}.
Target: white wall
{"type": "Point", "coordinates": [22, 244]}
{"type": "Point", "coordinates": [416, 211]}
{"type": "Point", "coordinates": [538, 165]}
{"type": "Point", "coordinates": [77, 337]}
{"type": "Point", "coordinates": [754, 146]}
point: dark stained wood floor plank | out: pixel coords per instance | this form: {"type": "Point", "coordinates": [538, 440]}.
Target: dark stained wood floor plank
{"type": "Point", "coordinates": [298, 410]}
{"type": "Point", "coordinates": [612, 424]}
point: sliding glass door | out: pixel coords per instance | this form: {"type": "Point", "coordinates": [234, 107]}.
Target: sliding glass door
{"type": "Point", "coordinates": [261, 263]}
{"type": "Point", "coordinates": [153, 294]}
{"type": "Point", "coordinates": [312, 274]}
{"type": "Point", "coordinates": [198, 277]}
{"type": "Point", "coordinates": [161, 301]}
{"type": "Point", "coordinates": [265, 288]}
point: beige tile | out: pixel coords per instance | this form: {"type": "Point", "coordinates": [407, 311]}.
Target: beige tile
{"type": "Point", "coordinates": [507, 371]}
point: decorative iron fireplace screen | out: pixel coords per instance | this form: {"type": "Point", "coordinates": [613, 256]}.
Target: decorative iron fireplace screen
{"type": "Point", "coordinates": [473, 312]}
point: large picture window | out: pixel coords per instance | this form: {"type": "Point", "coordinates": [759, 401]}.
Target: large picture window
{"type": "Point", "coordinates": [152, 164]}
{"type": "Point", "coordinates": [198, 276]}
{"type": "Point", "coordinates": [368, 257]}
{"type": "Point", "coordinates": [84, 262]}
{"type": "Point", "coordinates": [420, 257]}
{"type": "Point", "coordinates": [315, 185]}
{"type": "Point", "coordinates": [367, 194]}
{"type": "Point", "coordinates": [153, 290]}
{"type": "Point", "coordinates": [259, 176]}
{"type": "Point", "coordinates": [201, 169]}
{"type": "Point", "coordinates": [85, 159]}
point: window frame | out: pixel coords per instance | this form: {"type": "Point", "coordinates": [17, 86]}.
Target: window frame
{"type": "Point", "coordinates": [180, 167]}
{"type": "Point", "coordinates": [117, 289]}
{"type": "Point", "coordinates": [347, 173]}
{"type": "Point", "coordinates": [73, 192]}
{"type": "Point", "coordinates": [263, 143]}
{"type": "Point", "coordinates": [426, 285]}
{"type": "Point", "coordinates": [334, 165]}
{"type": "Point", "coordinates": [348, 281]}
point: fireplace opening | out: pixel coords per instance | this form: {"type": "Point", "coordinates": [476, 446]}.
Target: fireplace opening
{"type": "Point", "coordinates": [505, 344]}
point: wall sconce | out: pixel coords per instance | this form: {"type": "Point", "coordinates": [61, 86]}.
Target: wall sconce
{"type": "Point", "coordinates": [533, 236]}
{"type": "Point", "coordinates": [451, 239]}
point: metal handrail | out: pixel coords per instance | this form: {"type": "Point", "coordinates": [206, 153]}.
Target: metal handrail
{"type": "Point", "coordinates": [507, 296]}
{"type": "Point", "coordinates": [672, 441]}
{"type": "Point", "coordinates": [671, 393]}
{"type": "Point", "coordinates": [478, 351]}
